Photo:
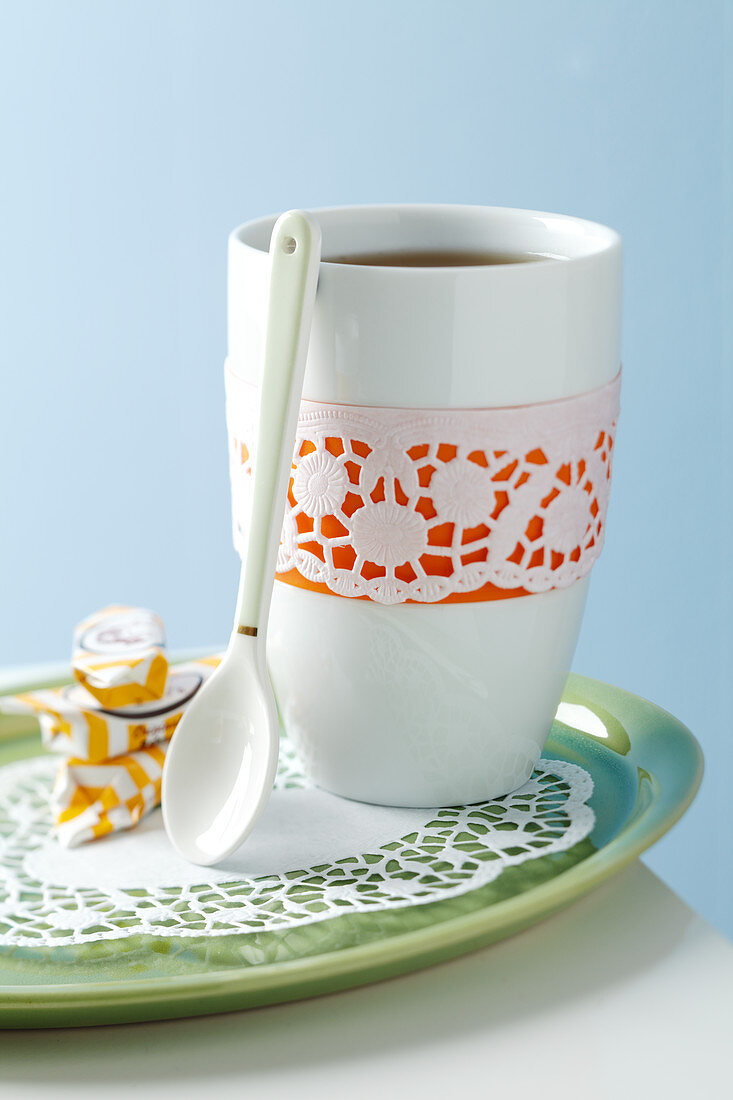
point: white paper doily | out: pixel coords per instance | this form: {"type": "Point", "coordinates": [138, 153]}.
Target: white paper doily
{"type": "Point", "coordinates": [312, 856]}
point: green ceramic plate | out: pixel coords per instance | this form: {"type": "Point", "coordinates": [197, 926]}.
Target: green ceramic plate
{"type": "Point", "coordinates": [646, 767]}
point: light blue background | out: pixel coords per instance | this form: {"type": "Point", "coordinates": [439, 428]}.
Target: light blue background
{"type": "Point", "coordinates": [136, 134]}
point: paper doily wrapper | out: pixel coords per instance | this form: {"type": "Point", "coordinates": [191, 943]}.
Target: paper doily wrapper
{"type": "Point", "coordinates": [119, 656]}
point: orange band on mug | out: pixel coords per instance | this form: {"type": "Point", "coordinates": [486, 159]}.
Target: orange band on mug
{"type": "Point", "coordinates": [416, 506]}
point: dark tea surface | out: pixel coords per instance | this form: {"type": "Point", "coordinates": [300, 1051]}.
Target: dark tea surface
{"type": "Point", "coordinates": [437, 258]}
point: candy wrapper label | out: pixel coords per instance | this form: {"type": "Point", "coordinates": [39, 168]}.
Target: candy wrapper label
{"type": "Point", "coordinates": [119, 656]}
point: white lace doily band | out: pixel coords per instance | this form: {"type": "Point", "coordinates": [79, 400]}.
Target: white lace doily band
{"type": "Point", "coordinates": [424, 506]}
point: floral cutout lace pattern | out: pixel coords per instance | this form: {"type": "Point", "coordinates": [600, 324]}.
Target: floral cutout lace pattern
{"type": "Point", "coordinates": [455, 850]}
{"type": "Point", "coordinates": [398, 505]}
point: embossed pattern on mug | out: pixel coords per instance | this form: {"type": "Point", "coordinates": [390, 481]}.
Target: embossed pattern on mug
{"type": "Point", "coordinates": [401, 505]}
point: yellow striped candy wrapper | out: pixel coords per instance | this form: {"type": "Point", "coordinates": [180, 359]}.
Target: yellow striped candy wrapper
{"type": "Point", "coordinates": [75, 724]}
{"type": "Point", "coordinates": [119, 656]}
{"type": "Point", "coordinates": [91, 800]}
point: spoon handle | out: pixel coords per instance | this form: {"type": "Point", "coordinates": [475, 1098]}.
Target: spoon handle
{"type": "Point", "coordinates": [295, 253]}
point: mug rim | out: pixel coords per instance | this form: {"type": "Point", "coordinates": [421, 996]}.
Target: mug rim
{"type": "Point", "coordinates": [581, 237]}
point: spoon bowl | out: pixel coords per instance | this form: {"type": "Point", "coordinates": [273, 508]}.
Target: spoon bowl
{"type": "Point", "coordinates": [229, 764]}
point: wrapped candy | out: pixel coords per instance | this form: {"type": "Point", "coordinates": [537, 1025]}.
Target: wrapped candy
{"type": "Point", "coordinates": [112, 773]}
{"type": "Point", "coordinates": [75, 724]}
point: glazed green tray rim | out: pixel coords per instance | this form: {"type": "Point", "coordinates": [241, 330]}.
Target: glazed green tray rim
{"type": "Point", "coordinates": [522, 909]}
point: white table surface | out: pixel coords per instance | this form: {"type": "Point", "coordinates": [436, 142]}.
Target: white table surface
{"type": "Point", "coordinates": [627, 993]}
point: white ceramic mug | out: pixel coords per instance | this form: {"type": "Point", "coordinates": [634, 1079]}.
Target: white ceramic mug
{"type": "Point", "coordinates": [444, 699]}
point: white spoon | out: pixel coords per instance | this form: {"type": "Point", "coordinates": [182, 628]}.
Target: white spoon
{"type": "Point", "coordinates": [222, 759]}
